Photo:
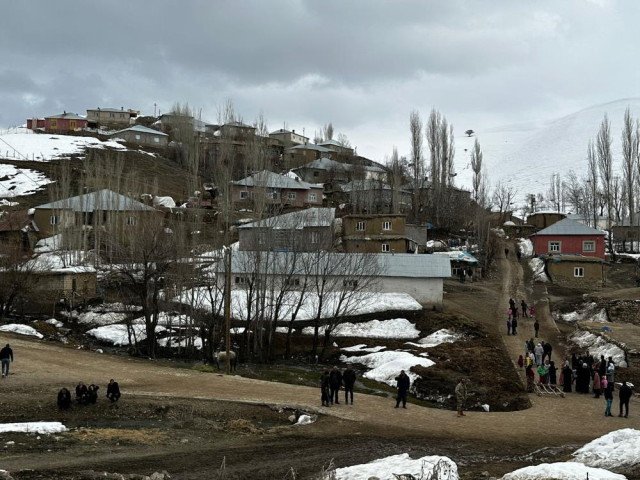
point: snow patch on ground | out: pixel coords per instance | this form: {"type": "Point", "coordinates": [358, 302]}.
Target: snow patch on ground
{"type": "Point", "coordinates": [363, 348]}
{"type": "Point", "coordinates": [304, 420]}
{"type": "Point", "coordinates": [562, 471]}
{"type": "Point", "coordinates": [437, 338]}
{"type": "Point", "coordinates": [176, 342]}
{"type": "Point", "coordinates": [526, 247]}
{"type": "Point", "coordinates": [96, 318]}
{"type": "Point", "coordinates": [33, 427]}
{"type": "Point", "coordinates": [118, 335]}
{"type": "Point", "coordinates": [617, 450]}
{"type": "Point", "coordinates": [537, 267]}
{"type": "Point", "coordinates": [16, 182]}
{"type": "Point", "coordinates": [589, 312]}
{"type": "Point", "coordinates": [47, 147]}
{"type": "Point", "coordinates": [386, 366]}
{"type": "Point", "coordinates": [394, 328]}
{"type": "Point", "coordinates": [55, 323]}
{"type": "Point", "coordinates": [387, 468]}
{"type": "Point", "coordinates": [598, 346]}
{"type": "Point", "coordinates": [21, 330]}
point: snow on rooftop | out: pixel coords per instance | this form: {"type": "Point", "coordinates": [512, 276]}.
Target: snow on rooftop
{"type": "Point", "coordinates": [46, 147]}
{"type": "Point", "coordinates": [389, 467]}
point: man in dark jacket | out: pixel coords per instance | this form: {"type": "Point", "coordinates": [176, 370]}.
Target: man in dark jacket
{"type": "Point", "coordinates": [64, 399]}
{"type": "Point", "coordinates": [547, 349]}
{"type": "Point", "coordinates": [335, 382]}
{"type": "Point", "coordinates": [514, 326]}
{"type": "Point", "coordinates": [625, 396]}
{"type": "Point", "coordinates": [524, 307]}
{"type": "Point", "coordinates": [113, 391]}
{"type": "Point", "coordinates": [324, 388]}
{"type": "Point", "coordinates": [403, 382]}
{"type": "Point", "coordinates": [82, 393]}
{"type": "Point", "coordinates": [92, 394]}
{"type": "Point", "coordinates": [536, 327]}
{"type": "Point", "coordinates": [6, 356]}
{"type": "Point", "coordinates": [349, 379]}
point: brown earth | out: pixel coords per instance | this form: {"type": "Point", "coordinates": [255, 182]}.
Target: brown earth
{"type": "Point", "coordinates": [199, 407]}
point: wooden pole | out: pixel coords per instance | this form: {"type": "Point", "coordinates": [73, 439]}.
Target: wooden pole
{"type": "Point", "coordinates": [227, 309]}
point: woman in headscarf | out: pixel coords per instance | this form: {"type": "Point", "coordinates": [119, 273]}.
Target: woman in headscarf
{"type": "Point", "coordinates": [567, 377]}
{"type": "Point", "coordinates": [597, 387]}
{"type": "Point", "coordinates": [582, 384]}
{"type": "Point", "coordinates": [530, 377]}
{"type": "Point", "coordinates": [574, 361]}
{"type": "Point", "coordinates": [552, 373]}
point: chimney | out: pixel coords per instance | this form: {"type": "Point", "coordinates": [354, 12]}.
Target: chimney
{"type": "Point", "coordinates": [293, 131]}
{"type": "Point", "coordinates": [122, 109]}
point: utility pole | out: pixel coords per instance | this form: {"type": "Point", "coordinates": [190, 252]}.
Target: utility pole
{"type": "Point", "coordinates": [227, 308]}
{"type": "Point", "coordinates": [154, 110]}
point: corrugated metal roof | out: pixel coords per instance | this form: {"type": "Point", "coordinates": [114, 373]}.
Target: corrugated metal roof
{"type": "Point", "coordinates": [325, 163]}
{"type": "Point", "coordinates": [68, 116]}
{"type": "Point", "coordinates": [282, 131]}
{"type": "Point", "coordinates": [100, 200]}
{"type": "Point", "coordinates": [391, 265]}
{"type": "Point", "coordinates": [109, 110]}
{"type": "Point", "coordinates": [311, 217]}
{"type": "Point", "coordinates": [366, 185]}
{"type": "Point", "coordinates": [267, 179]}
{"type": "Point", "coordinates": [141, 129]}
{"type": "Point", "coordinates": [309, 146]}
{"type": "Point", "coordinates": [566, 226]}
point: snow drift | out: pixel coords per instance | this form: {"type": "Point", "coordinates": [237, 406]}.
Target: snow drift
{"type": "Point", "coordinates": [387, 468]}
{"type": "Point", "coordinates": [562, 471]}
{"type": "Point", "coordinates": [386, 366]}
{"type": "Point", "coordinates": [618, 450]}
{"type": "Point", "coordinates": [33, 427]}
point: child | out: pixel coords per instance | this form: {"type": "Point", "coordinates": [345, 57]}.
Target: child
{"type": "Point", "coordinates": [508, 326]}
{"type": "Point", "coordinates": [532, 312]}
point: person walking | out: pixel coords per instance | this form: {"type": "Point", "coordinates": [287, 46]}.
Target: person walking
{"type": "Point", "coordinates": [349, 379]}
{"type": "Point", "coordinates": [324, 388]}
{"type": "Point", "coordinates": [552, 373]}
{"type": "Point", "coordinates": [538, 351]}
{"type": "Point", "coordinates": [335, 382]}
{"type": "Point", "coordinates": [403, 382]}
{"type": "Point", "coordinates": [547, 350]}
{"type": "Point", "coordinates": [521, 361]}
{"type": "Point", "coordinates": [508, 326]}
{"type": "Point", "coordinates": [514, 326]}
{"type": "Point", "coordinates": [512, 303]}
{"type": "Point", "coordinates": [625, 395]}
{"type": "Point", "coordinates": [519, 254]}
{"type": "Point", "coordinates": [113, 391]}
{"type": "Point", "coordinates": [64, 399]}
{"type": "Point", "coordinates": [608, 396]}
{"type": "Point", "coordinates": [6, 356]}
{"type": "Point", "coordinates": [530, 378]}
{"type": "Point", "coordinates": [536, 328]}
{"type": "Point", "coordinates": [461, 396]}
{"type": "Point", "coordinates": [597, 385]}
{"type": "Point", "coordinates": [611, 367]}
{"type": "Point", "coordinates": [523, 306]}
{"type": "Point", "coordinates": [567, 379]}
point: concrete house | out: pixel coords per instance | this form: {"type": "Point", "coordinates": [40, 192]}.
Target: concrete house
{"type": "Point", "coordinates": [142, 136]}
{"type": "Point", "coordinates": [569, 237]}
{"type": "Point", "coordinates": [279, 189]}
{"type": "Point", "coordinates": [376, 234]}
{"type": "Point", "coordinates": [627, 231]}
{"type": "Point", "coordinates": [63, 123]}
{"type": "Point", "coordinates": [375, 196]}
{"type": "Point", "coordinates": [420, 276]}
{"type": "Point", "coordinates": [102, 207]}
{"type": "Point", "coordinates": [575, 271]}
{"type": "Point", "coordinates": [337, 147]}
{"type": "Point", "coordinates": [289, 138]}
{"type": "Point", "coordinates": [237, 130]}
{"type": "Point", "coordinates": [302, 231]}
{"type": "Point", "coordinates": [299, 155]}
{"type": "Point", "coordinates": [112, 116]}
{"type": "Point", "coordinates": [325, 170]}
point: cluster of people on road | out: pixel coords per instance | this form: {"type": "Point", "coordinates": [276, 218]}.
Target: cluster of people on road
{"type": "Point", "coordinates": [537, 359]}
{"type": "Point", "coordinates": [514, 313]}
{"type": "Point", "coordinates": [86, 395]}
{"type": "Point", "coordinates": [332, 381]}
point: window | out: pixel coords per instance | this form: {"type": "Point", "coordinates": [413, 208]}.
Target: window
{"type": "Point", "coordinates": [554, 247]}
{"type": "Point", "coordinates": [578, 272]}
{"type": "Point", "coordinates": [291, 195]}
{"type": "Point", "coordinates": [241, 280]}
{"type": "Point", "coordinates": [386, 225]}
{"type": "Point", "coordinates": [292, 282]}
{"type": "Point", "coordinates": [313, 197]}
{"type": "Point", "coordinates": [53, 220]}
{"type": "Point", "coordinates": [72, 124]}
{"type": "Point", "coordinates": [54, 123]}
{"type": "Point", "coordinates": [137, 137]}
{"type": "Point", "coordinates": [273, 193]}
{"type": "Point", "coordinates": [244, 194]}
{"type": "Point", "coordinates": [385, 247]}
{"type": "Point", "coordinates": [350, 283]}
{"type": "Point", "coordinates": [588, 246]}
{"type": "Point", "coordinates": [316, 173]}
{"type": "Point", "coordinates": [156, 139]}
{"type": "Point", "coordinates": [131, 220]}
{"type": "Point", "coordinates": [112, 115]}
{"type": "Point", "coordinates": [315, 237]}
{"type": "Point", "coordinates": [122, 115]}
{"type": "Point", "coordinates": [360, 226]}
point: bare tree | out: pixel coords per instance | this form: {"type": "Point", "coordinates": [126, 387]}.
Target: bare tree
{"type": "Point", "coordinates": [605, 167]}
{"type": "Point", "coordinates": [592, 182]}
{"type": "Point", "coordinates": [573, 192]}
{"type": "Point", "coordinates": [395, 176]}
{"type": "Point", "coordinates": [629, 156]}
{"type": "Point", "coordinates": [476, 168]}
{"type": "Point", "coordinates": [328, 131]}
{"type": "Point", "coordinates": [503, 196]}
{"type": "Point", "coordinates": [417, 159]}
{"type": "Point", "coordinates": [343, 140]}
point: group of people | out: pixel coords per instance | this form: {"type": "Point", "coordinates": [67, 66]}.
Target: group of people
{"type": "Point", "coordinates": [537, 359]}
{"type": "Point", "coordinates": [332, 381]}
{"type": "Point", "coordinates": [514, 313]}
{"type": "Point", "coordinates": [86, 395]}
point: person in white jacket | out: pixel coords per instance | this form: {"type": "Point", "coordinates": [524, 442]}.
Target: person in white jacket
{"type": "Point", "coordinates": [539, 351]}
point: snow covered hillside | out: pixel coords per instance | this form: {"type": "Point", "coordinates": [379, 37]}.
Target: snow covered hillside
{"type": "Point", "coordinates": [525, 155]}
{"type": "Point", "coordinates": [16, 182]}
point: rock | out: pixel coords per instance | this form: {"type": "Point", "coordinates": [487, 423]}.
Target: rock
{"type": "Point", "coordinates": [373, 478]}
{"type": "Point", "coordinates": [184, 440]}
{"type": "Point", "coordinates": [292, 418]}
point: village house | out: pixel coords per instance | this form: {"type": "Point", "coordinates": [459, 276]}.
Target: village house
{"type": "Point", "coordinates": [376, 234]}
{"type": "Point", "coordinates": [627, 232]}
{"type": "Point", "coordinates": [575, 271]}
{"type": "Point", "coordinates": [461, 260]}
{"type": "Point", "coordinates": [328, 171]}
{"type": "Point", "coordinates": [99, 208]}
{"type": "Point", "coordinates": [112, 116]}
{"type": "Point", "coordinates": [142, 136]}
{"type": "Point", "coordinates": [289, 138]}
{"type": "Point", "coordinates": [17, 228]}
{"type": "Point", "coordinates": [541, 220]}
{"type": "Point", "coordinates": [63, 123]}
{"type": "Point", "coordinates": [278, 189]}
{"type": "Point", "coordinates": [569, 237]}
{"type": "Point", "coordinates": [237, 130]}
{"type": "Point", "coordinates": [170, 121]}
{"type": "Point", "coordinates": [302, 231]}
{"type": "Point", "coordinates": [375, 196]}
{"type": "Point", "coordinates": [337, 147]}
{"type": "Point", "coordinates": [299, 155]}
{"type": "Point", "coordinates": [420, 276]}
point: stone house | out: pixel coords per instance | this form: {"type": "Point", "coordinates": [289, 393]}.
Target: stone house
{"type": "Point", "coordinates": [337, 147]}
{"type": "Point", "coordinates": [626, 231]}
{"type": "Point", "coordinates": [17, 228]}
{"type": "Point", "coordinates": [384, 233]}
{"type": "Point", "coordinates": [420, 276]}
{"type": "Point", "coordinates": [541, 220]}
{"type": "Point", "coordinates": [278, 189]}
{"type": "Point", "coordinates": [142, 136]}
{"type": "Point", "coordinates": [99, 208]}
{"type": "Point", "coordinates": [303, 231]}
{"type": "Point", "coordinates": [299, 155]}
{"type": "Point", "coordinates": [575, 271]}
{"type": "Point", "coordinates": [289, 138]}
{"type": "Point", "coordinates": [570, 238]}
{"type": "Point", "coordinates": [112, 116]}
{"type": "Point", "coordinates": [375, 196]}
{"type": "Point", "coordinates": [328, 171]}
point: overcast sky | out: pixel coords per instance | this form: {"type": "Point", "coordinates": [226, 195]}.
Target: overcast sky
{"type": "Point", "coordinates": [363, 65]}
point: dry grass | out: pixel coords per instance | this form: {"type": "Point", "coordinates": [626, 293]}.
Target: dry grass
{"type": "Point", "coordinates": [241, 425]}
{"type": "Point", "coordinates": [114, 435]}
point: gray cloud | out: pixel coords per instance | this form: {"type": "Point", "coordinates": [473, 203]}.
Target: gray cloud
{"type": "Point", "coordinates": [361, 64]}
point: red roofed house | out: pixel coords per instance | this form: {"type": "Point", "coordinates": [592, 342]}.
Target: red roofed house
{"type": "Point", "coordinates": [63, 123]}
{"type": "Point", "coordinates": [569, 237]}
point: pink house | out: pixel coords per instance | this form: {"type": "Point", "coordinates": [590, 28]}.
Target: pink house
{"type": "Point", "coordinates": [569, 237]}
